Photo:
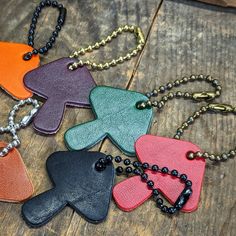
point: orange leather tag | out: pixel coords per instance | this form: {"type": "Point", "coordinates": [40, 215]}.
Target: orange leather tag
{"type": "Point", "coordinates": [15, 185]}
{"type": "Point", "coordinates": [13, 68]}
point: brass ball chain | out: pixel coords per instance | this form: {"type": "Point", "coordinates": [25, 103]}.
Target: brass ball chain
{"type": "Point", "coordinates": [213, 107]}
{"type": "Point", "coordinates": [196, 96]}
{"type": "Point", "coordinates": [106, 65]}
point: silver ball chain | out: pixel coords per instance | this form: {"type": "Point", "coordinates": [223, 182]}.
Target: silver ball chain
{"type": "Point", "coordinates": [13, 127]}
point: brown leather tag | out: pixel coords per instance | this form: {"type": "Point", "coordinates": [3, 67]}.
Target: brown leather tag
{"type": "Point", "coordinates": [15, 185]}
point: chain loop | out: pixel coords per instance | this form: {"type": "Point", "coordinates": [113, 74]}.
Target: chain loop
{"type": "Point", "coordinates": [197, 96]}
{"type": "Point", "coordinates": [13, 127]}
{"type": "Point", "coordinates": [60, 21]}
{"type": "Point", "coordinates": [106, 65]}
{"type": "Point", "coordinates": [212, 107]}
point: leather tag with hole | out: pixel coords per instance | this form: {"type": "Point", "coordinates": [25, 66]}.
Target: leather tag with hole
{"type": "Point", "coordinates": [13, 68]}
{"type": "Point", "coordinates": [165, 152]}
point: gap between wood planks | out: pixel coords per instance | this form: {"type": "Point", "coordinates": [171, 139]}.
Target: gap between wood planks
{"type": "Point", "coordinates": [136, 65]}
{"type": "Point", "coordinates": [142, 51]}
{"type": "Point", "coordinates": [132, 76]}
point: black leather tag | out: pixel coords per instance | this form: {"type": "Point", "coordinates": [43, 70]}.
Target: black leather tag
{"type": "Point", "coordinates": [76, 183]}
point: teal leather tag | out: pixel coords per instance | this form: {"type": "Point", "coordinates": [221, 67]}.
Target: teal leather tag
{"type": "Point", "coordinates": [116, 118]}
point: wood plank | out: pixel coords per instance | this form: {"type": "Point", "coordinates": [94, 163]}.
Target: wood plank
{"type": "Point", "coordinates": [223, 3]}
{"type": "Point", "coordinates": [183, 39]}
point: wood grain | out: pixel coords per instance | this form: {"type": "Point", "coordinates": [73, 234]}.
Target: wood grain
{"type": "Point", "coordinates": [182, 38]}
{"type": "Point", "coordinates": [223, 3]}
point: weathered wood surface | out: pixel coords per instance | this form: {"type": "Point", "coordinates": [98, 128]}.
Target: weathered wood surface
{"type": "Point", "coordinates": [224, 3]}
{"type": "Point", "coordinates": [183, 37]}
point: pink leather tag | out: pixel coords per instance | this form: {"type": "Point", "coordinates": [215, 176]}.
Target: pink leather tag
{"type": "Point", "coordinates": [165, 152]}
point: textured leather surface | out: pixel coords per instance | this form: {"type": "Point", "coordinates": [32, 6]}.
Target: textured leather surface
{"type": "Point", "coordinates": [13, 68]}
{"type": "Point", "coordinates": [77, 184]}
{"type": "Point", "coordinates": [168, 152]}
{"type": "Point", "coordinates": [116, 117]}
{"type": "Point", "coordinates": [61, 87]}
{"type": "Point", "coordinates": [15, 185]}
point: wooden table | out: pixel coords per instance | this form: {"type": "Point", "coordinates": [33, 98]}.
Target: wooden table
{"type": "Point", "coordinates": [183, 37]}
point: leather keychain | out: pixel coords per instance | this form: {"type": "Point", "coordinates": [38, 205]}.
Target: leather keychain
{"type": "Point", "coordinates": [77, 184]}
{"type": "Point", "coordinates": [16, 59]}
{"type": "Point", "coordinates": [123, 116]}
{"type": "Point", "coordinates": [68, 82]}
{"type": "Point", "coordinates": [182, 155]}
{"type": "Point", "coordinates": [160, 170]}
{"type": "Point", "coordinates": [15, 185]}
{"type": "Point", "coordinates": [83, 180]}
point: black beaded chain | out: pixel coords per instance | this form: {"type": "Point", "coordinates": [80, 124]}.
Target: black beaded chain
{"type": "Point", "coordinates": [60, 21]}
{"type": "Point", "coordinates": [139, 169]}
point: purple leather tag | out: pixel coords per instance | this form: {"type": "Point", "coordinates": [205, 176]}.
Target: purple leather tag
{"type": "Point", "coordinates": [61, 87]}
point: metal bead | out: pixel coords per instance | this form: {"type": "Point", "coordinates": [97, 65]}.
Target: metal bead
{"type": "Point", "coordinates": [16, 143]}
{"type": "Point", "coordinates": [139, 47]}
{"type": "Point", "coordinates": [218, 158]}
{"type": "Point", "coordinates": [155, 92]}
{"type": "Point", "coordinates": [9, 146]}
{"type": "Point", "coordinates": [178, 94]}
{"type": "Point", "coordinates": [176, 137]}
{"type": "Point", "coordinates": [217, 93]}
{"type": "Point", "coordinates": [162, 89]}
{"type": "Point", "coordinates": [170, 95]}
{"type": "Point", "coordinates": [224, 156]}
{"type": "Point", "coordinates": [232, 153]}
{"type": "Point", "coordinates": [176, 83]}
{"type": "Point", "coordinates": [165, 99]}
{"type": "Point", "coordinates": [184, 125]}
{"type": "Point", "coordinates": [12, 113]}
{"type": "Point", "coordinates": [180, 131]}
{"type": "Point", "coordinates": [200, 77]}
{"type": "Point", "coordinates": [198, 154]}
{"type": "Point", "coordinates": [205, 155]}
{"type": "Point", "coordinates": [192, 77]}
{"type": "Point", "coordinates": [190, 120]}
{"type": "Point", "coordinates": [154, 103]}
{"type": "Point", "coordinates": [209, 78]}
{"type": "Point", "coordinates": [148, 104]}
{"type": "Point", "coordinates": [114, 34]}
{"type": "Point", "coordinates": [169, 86]}
{"type": "Point", "coordinates": [203, 109]}
{"type": "Point", "coordinates": [215, 82]}
{"type": "Point", "coordinates": [219, 88]}
{"type": "Point", "coordinates": [15, 108]}
{"type": "Point", "coordinates": [4, 151]}
{"type": "Point", "coordinates": [187, 95]}
{"type": "Point", "coordinates": [190, 156]}
{"type": "Point", "coordinates": [212, 157]}
{"type": "Point", "coordinates": [185, 80]}
{"type": "Point", "coordinates": [196, 115]}
{"type": "Point", "coordinates": [29, 100]}
{"type": "Point", "coordinates": [21, 103]}
{"type": "Point", "coordinates": [160, 104]}
{"type": "Point", "coordinates": [10, 118]}
{"type": "Point", "coordinates": [141, 105]}
{"type": "Point", "coordinates": [134, 52]}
